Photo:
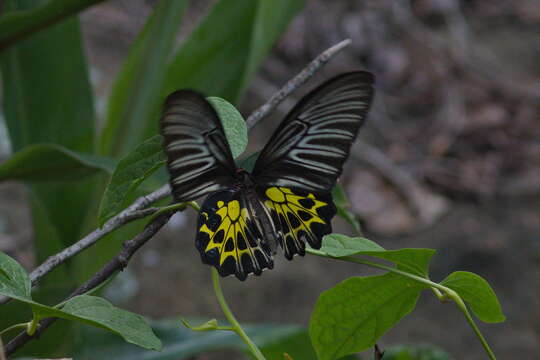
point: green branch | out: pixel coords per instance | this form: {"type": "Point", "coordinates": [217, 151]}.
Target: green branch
{"type": "Point", "coordinates": [442, 292]}
{"type": "Point", "coordinates": [232, 320]}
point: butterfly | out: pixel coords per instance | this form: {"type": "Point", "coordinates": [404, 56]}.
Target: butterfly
{"type": "Point", "coordinates": [285, 200]}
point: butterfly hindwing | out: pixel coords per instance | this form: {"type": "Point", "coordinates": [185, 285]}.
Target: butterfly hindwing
{"type": "Point", "coordinates": [299, 216]}
{"type": "Point", "coordinates": [228, 237]}
{"type": "Point", "coordinates": [308, 149]}
{"type": "Point", "coordinates": [198, 156]}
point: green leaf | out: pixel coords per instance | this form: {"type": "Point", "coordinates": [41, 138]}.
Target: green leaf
{"type": "Point", "coordinates": [131, 171]}
{"type": "Point", "coordinates": [245, 28]}
{"type": "Point", "coordinates": [478, 294]}
{"type": "Point", "coordinates": [342, 204]}
{"type": "Point", "coordinates": [351, 316]}
{"type": "Point", "coordinates": [137, 90]}
{"type": "Point", "coordinates": [293, 341]}
{"type": "Point", "coordinates": [415, 352]}
{"type": "Point", "coordinates": [415, 261]}
{"type": "Point", "coordinates": [48, 99]}
{"type": "Point", "coordinates": [14, 281]}
{"type": "Point", "coordinates": [51, 162]}
{"type": "Point", "coordinates": [182, 343]}
{"type": "Point", "coordinates": [210, 325]}
{"type": "Point", "coordinates": [248, 162]}
{"type": "Point", "coordinates": [99, 312]}
{"type": "Point", "coordinates": [18, 24]}
{"type": "Point", "coordinates": [338, 245]}
{"type": "Point", "coordinates": [233, 124]}
{"type": "Point", "coordinates": [91, 310]}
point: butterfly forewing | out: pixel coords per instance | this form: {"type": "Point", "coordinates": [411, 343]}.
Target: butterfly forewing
{"type": "Point", "coordinates": [308, 149]}
{"type": "Point", "coordinates": [229, 236]}
{"type": "Point", "coordinates": [198, 156]}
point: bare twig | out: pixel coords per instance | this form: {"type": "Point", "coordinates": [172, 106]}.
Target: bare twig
{"type": "Point", "coordinates": [133, 212]}
{"type": "Point", "coordinates": [117, 263]}
{"type": "Point", "coordinates": [295, 83]}
{"type": "Point", "coordinates": [137, 210]}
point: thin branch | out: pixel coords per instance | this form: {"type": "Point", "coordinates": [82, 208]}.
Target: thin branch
{"type": "Point", "coordinates": [295, 83]}
{"type": "Point", "coordinates": [133, 212]}
{"type": "Point", "coordinates": [119, 262]}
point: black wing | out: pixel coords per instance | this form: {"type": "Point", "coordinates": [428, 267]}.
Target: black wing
{"type": "Point", "coordinates": [228, 236]}
{"type": "Point", "coordinates": [308, 149]}
{"type": "Point", "coordinates": [199, 159]}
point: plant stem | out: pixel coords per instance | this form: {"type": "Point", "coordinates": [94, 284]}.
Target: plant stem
{"type": "Point", "coordinates": [32, 326]}
{"type": "Point", "coordinates": [13, 327]}
{"type": "Point", "coordinates": [2, 354]}
{"type": "Point", "coordinates": [230, 317]}
{"type": "Point", "coordinates": [437, 288]}
{"type": "Point", "coordinates": [461, 305]}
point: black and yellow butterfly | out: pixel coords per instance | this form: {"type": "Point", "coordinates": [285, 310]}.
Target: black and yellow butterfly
{"type": "Point", "coordinates": [286, 199]}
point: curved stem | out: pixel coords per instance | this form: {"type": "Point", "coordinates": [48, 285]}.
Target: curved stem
{"type": "Point", "coordinates": [13, 327]}
{"type": "Point", "coordinates": [230, 317]}
{"type": "Point", "coordinates": [461, 305]}
{"type": "Point", "coordinates": [438, 289]}
{"type": "Point", "coordinates": [32, 326]}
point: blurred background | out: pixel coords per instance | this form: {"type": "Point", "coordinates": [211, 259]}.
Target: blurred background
{"type": "Point", "coordinates": [449, 159]}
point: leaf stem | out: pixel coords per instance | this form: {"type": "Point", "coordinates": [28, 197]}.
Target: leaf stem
{"type": "Point", "coordinates": [32, 325]}
{"type": "Point", "coordinates": [461, 305]}
{"type": "Point", "coordinates": [440, 291]}
{"type": "Point", "coordinates": [13, 327]}
{"type": "Point", "coordinates": [232, 320]}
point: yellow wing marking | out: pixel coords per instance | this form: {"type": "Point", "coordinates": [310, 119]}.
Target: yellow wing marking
{"type": "Point", "coordinates": [233, 222]}
{"type": "Point", "coordinates": [284, 202]}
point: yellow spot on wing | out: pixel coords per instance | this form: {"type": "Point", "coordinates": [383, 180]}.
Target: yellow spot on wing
{"type": "Point", "coordinates": [234, 209]}
{"type": "Point", "coordinates": [233, 224]}
{"type": "Point", "coordinates": [275, 194]}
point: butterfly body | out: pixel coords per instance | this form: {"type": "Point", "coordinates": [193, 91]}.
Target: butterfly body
{"type": "Point", "coordinates": [285, 201]}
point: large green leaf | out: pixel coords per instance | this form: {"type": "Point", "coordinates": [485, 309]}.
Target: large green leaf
{"type": "Point", "coordinates": [220, 56]}
{"type": "Point", "coordinates": [47, 99]}
{"type": "Point", "coordinates": [477, 293]}
{"type": "Point", "coordinates": [16, 25]}
{"type": "Point", "coordinates": [137, 90]}
{"type": "Point", "coordinates": [51, 162]}
{"type": "Point", "coordinates": [91, 310]}
{"type": "Point", "coordinates": [415, 261]}
{"type": "Point", "coordinates": [351, 316]}
{"type": "Point", "coordinates": [99, 312]}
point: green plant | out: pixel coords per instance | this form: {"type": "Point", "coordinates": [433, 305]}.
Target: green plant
{"type": "Point", "coordinates": [67, 164]}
